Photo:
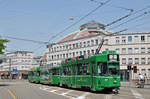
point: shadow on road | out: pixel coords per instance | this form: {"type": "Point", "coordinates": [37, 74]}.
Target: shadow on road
{"type": "Point", "coordinates": [1, 85]}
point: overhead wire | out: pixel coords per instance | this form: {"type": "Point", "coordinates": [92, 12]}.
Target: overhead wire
{"type": "Point", "coordinates": [132, 18]}
{"type": "Point", "coordinates": [129, 20]}
{"type": "Point", "coordinates": [28, 40]}
{"type": "Point", "coordinates": [99, 6]}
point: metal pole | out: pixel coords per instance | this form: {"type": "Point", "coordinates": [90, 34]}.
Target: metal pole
{"type": "Point", "coordinates": [130, 72]}
{"type": "Point", "coordinates": [9, 68]}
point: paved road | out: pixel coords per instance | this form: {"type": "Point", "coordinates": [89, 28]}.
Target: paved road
{"type": "Point", "coordinates": [25, 90]}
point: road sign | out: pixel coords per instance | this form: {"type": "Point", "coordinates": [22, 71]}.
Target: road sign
{"type": "Point", "coordinates": [15, 71]}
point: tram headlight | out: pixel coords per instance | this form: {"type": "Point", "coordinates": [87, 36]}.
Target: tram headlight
{"type": "Point", "coordinates": [115, 81]}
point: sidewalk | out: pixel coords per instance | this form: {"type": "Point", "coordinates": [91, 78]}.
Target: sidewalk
{"type": "Point", "coordinates": [132, 85]}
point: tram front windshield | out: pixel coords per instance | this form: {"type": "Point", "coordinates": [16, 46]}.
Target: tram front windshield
{"type": "Point", "coordinates": [113, 68]}
{"type": "Point", "coordinates": [107, 68]}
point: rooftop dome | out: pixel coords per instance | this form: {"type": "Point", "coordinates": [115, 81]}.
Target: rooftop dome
{"type": "Point", "coordinates": [92, 24]}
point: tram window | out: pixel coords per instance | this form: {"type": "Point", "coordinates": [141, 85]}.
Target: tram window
{"type": "Point", "coordinates": [68, 70]}
{"type": "Point", "coordinates": [102, 68]}
{"type": "Point", "coordinates": [73, 70]}
{"type": "Point", "coordinates": [79, 66]}
{"type": "Point", "coordinates": [64, 71]}
{"type": "Point", "coordinates": [113, 71]}
{"type": "Point", "coordinates": [85, 69]}
{"type": "Point", "coordinates": [31, 73]}
{"type": "Point", "coordinates": [38, 73]}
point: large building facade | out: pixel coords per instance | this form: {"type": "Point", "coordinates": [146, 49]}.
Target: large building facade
{"type": "Point", "coordinates": [17, 64]}
{"type": "Point", "coordinates": [134, 48]}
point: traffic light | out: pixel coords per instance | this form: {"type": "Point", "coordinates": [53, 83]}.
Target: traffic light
{"type": "Point", "coordinates": [129, 67]}
{"type": "Point", "coordinates": [135, 69]}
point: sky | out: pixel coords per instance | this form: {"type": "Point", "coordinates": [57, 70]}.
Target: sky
{"type": "Point", "coordinates": [40, 20]}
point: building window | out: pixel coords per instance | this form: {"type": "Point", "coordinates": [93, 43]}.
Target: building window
{"type": "Point", "coordinates": [92, 52]}
{"type": "Point", "coordinates": [88, 43]}
{"type": "Point", "coordinates": [106, 41]}
{"type": "Point", "coordinates": [129, 50]}
{"type": "Point", "coordinates": [96, 41]}
{"type": "Point", "coordinates": [117, 40]}
{"type": "Point", "coordinates": [84, 52]}
{"type": "Point", "coordinates": [63, 47]}
{"type": "Point", "coordinates": [52, 57]}
{"type": "Point", "coordinates": [67, 55]}
{"type": "Point", "coordinates": [69, 46]}
{"type": "Point", "coordinates": [73, 54]}
{"type": "Point", "coordinates": [88, 52]}
{"type": "Point", "coordinates": [60, 47]}
{"type": "Point", "coordinates": [92, 42]}
{"type": "Point", "coordinates": [130, 61]}
{"type": "Point", "coordinates": [84, 44]}
{"type": "Point", "coordinates": [54, 49]}
{"type": "Point", "coordinates": [142, 50]}
{"type": "Point", "coordinates": [142, 38]}
{"type": "Point", "coordinates": [148, 61]}
{"type": "Point", "coordinates": [136, 60]}
{"type": "Point", "coordinates": [70, 54]}
{"type": "Point", "coordinates": [57, 56]}
{"type": "Point", "coordinates": [118, 50]}
{"type": "Point", "coordinates": [148, 50]}
{"type": "Point", "coordinates": [80, 52]}
{"type": "Point", "coordinates": [60, 55]}
{"type": "Point", "coordinates": [80, 44]}
{"type": "Point", "coordinates": [129, 38]}
{"type": "Point", "coordinates": [66, 47]}
{"type": "Point", "coordinates": [123, 50]}
{"type": "Point", "coordinates": [77, 53]}
{"type": "Point", "coordinates": [57, 48]}
{"type": "Point", "coordinates": [76, 45]}
{"type": "Point", "coordinates": [63, 55]}
{"type": "Point", "coordinates": [143, 61]}
{"type": "Point", "coordinates": [136, 50]}
{"type": "Point", "coordinates": [148, 38]}
{"type": "Point", "coordinates": [136, 39]}
{"type": "Point", "coordinates": [73, 46]}
{"type": "Point", "coordinates": [123, 39]}
{"type": "Point", "coordinates": [123, 60]}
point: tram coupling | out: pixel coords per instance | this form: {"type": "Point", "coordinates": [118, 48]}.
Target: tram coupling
{"type": "Point", "coordinates": [116, 90]}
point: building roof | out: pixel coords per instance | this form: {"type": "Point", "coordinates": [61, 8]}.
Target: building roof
{"type": "Point", "coordinates": [86, 30]}
{"type": "Point", "coordinates": [44, 58]}
{"type": "Point", "coordinates": [83, 34]}
{"type": "Point", "coordinates": [22, 52]}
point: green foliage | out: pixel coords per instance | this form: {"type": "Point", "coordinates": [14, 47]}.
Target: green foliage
{"type": "Point", "coordinates": [2, 46]}
{"type": "Point", "coordinates": [1, 61]}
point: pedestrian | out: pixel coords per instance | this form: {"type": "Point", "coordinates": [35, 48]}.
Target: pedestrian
{"type": "Point", "coordinates": [141, 81]}
{"type": "Point", "coordinates": [141, 77]}
{"type": "Point", "coordinates": [145, 78]}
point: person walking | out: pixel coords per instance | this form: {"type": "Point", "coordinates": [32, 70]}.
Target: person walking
{"type": "Point", "coordinates": [141, 81]}
{"type": "Point", "coordinates": [145, 78]}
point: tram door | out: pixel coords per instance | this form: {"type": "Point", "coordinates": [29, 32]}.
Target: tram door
{"type": "Point", "coordinates": [92, 74]}
{"type": "Point", "coordinates": [74, 75]}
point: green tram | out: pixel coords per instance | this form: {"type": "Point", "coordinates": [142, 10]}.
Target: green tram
{"type": "Point", "coordinates": [34, 75]}
{"type": "Point", "coordinates": [97, 73]}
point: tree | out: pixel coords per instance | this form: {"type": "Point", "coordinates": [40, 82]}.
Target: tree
{"type": "Point", "coordinates": [2, 46]}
